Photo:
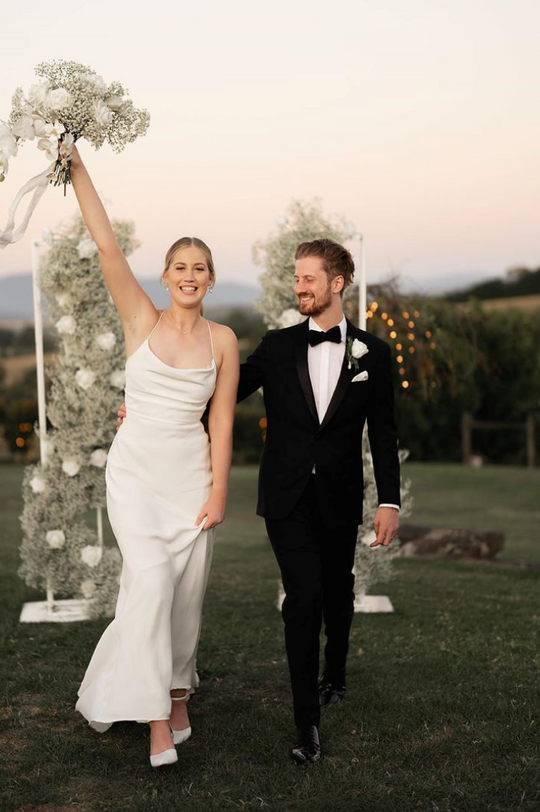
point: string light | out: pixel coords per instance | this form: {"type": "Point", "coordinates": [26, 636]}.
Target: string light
{"type": "Point", "coordinates": [405, 384]}
{"type": "Point", "coordinates": [393, 334]}
{"type": "Point", "coordinates": [399, 346]}
{"type": "Point", "coordinates": [432, 345]}
{"type": "Point", "coordinates": [369, 314]}
{"type": "Point", "coordinates": [402, 370]}
{"type": "Point", "coordinates": [428, 333]}
{"type": "Point", "coordinates": [384, 316]}
{"type": "Point", "coordinates": [410, 336]}
{"type": "Point", "coordinates": [416, 314]}
{"type": "Point", "coordinates": [411, 349]}
{"type": "Point", "coordinates": [410, 324]}
{"type": "Point", "coordinates": [390, 322]}
{"type": "Point", "coordinates": [374, 306]}
{"type": "Point", "coordinates": [19, 442]}
{"type": "Point", "coordinates": [405, 314]}
{"type": "Point", "coordinates": [399, 359]}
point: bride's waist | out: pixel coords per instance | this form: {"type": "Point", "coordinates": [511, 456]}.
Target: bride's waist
{"type": "Point", "coordinates": [165, 417]}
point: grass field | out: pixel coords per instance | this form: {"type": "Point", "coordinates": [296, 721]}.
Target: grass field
{"type": "Point", "coordinates": [442, 711]}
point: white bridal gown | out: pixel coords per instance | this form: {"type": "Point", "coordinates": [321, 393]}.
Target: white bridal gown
{"type": "Point", "coordinates": [158, 478]}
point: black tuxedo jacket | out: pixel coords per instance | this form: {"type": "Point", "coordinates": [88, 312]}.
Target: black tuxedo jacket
{"type": "Point", "coordinates": [295, 439]}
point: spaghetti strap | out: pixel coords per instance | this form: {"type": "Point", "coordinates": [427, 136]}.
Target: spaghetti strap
{"type": "Point", "coordinates": [155, 325]}
{"type": "Point", "coordinates": [211, 339]}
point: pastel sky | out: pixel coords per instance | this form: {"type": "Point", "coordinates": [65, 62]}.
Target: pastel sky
{"type": "Point", "coordinates": [418, 120]}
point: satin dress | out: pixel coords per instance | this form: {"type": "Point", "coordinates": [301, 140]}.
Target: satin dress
{"type": "Point", "coordinates": [158, 478]}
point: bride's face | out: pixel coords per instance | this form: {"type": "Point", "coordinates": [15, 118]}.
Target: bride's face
{"type": "Point", "coordinates": [188, 276]}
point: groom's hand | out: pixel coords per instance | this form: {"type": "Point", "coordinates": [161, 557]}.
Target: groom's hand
{"type": "Point", "coordinates": [122, 414]}
{"type": "Point", "coordinates": [386, 524]}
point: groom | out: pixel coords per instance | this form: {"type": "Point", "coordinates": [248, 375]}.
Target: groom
{"type": "Point", "coordinates": [322, 379]}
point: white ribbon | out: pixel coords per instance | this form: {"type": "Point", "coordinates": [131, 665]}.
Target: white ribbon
{"type": "Point", "coordinates": [38, 184]}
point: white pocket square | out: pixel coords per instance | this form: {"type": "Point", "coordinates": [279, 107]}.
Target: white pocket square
{"type": "Point", "coordinates": [362, 376]}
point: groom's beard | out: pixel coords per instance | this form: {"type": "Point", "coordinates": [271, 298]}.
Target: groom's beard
{"type": "Point", "coordinates": [315, 305]}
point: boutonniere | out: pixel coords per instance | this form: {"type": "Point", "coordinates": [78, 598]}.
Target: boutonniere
{"type": "Point", "coordinates": [355, 350]}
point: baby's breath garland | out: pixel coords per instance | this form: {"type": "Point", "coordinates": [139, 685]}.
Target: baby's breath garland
{"type": "Point", "coordinates": [72, 101]}
{"type": "Point", "coordinates": [60, 547]}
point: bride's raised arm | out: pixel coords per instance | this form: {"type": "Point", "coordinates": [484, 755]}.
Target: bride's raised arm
{"type": "Point", "coordinates": [134, 306]}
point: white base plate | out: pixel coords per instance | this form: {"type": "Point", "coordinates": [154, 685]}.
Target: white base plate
{"type": "Point", "coordinates": [373, 603]}
{"type": "Point", "coordinates": [62, 611]}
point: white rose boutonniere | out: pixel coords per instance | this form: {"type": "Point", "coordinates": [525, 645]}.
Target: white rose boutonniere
{"type": "Point", "coordinates": [355, 350]}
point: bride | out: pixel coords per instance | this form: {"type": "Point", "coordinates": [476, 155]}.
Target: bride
{"type": "Point", "coordinates": [166, 485]}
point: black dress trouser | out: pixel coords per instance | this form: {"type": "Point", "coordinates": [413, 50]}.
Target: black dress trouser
{"type": "Point", "coordinates": [316, 564]}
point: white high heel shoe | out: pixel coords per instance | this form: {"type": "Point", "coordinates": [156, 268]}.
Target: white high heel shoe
{"type": "Point", "coordinates": [180, 736]}
{"type": "Point", "coordinates": [164, 758]}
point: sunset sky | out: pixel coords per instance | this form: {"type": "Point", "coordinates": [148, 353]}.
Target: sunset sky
{"type": "Point", "coordinates": [418, 120]}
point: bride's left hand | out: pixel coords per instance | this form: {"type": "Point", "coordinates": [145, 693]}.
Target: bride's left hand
{"type": "Point", "coordinates": [213, 511]}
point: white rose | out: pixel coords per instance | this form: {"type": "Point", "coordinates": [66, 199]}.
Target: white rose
{"type": "Point", "coordinates": [97, 81]}
{"type": "Point", "coordinates": [102, 114]}
{"type": "Point", "coordinates": [71, 467]}
{"type": "Point", "coordinates": [58, 99]}
{"type": "Point", "coordinates": [56, 539]}
{"type": "Point", "coordinates": [106, 341]}
{"type": "Point", "coordinates": [63, 299]}
{"type": "Point", "coordinates": [88, 588]}
{"type": "Point", "coordinates": [85, 378]}
{"type": "Point", "coordinates": [91, 555]}
{"type": "Point", "coordinates": [114, 103]}
{"type": "Point", "coordinates": [37, 94]}
{"type": "Point", "coordinates": [37, 484]}
{"type": "Point", "coordinates": [290, 317]}
{"type": "Point", "coordinates": [98, 457]}
{"type": "Point", "coordinates": [66, 325]}
{"type": "Point", "coordinates": [86, 248]}
{"type": "Point", "coordinates": [358, 349]}
{"type": "Point", "coordinates": [118, 378]}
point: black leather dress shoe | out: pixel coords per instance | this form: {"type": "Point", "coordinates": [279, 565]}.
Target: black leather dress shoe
{"type": "Point", "coordinates": [308, 749]}
{"type": "Point", "coordinates": [330, 694]}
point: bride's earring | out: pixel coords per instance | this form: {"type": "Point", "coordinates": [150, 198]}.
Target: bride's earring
{"type": "Point", "coordinates": [166, 287]}
{"type": "Point", "coordinates": [210, 289]}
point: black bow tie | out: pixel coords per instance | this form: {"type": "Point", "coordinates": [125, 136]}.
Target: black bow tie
{"type": "Point", "coordinates": [317, 336]}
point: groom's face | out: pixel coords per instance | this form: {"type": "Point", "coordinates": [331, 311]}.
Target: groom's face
{"type": "Point", "coordinates": [312, 286]}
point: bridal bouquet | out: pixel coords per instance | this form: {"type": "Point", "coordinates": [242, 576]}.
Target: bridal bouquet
{"type": "Point", "coordinates": [71, 102]}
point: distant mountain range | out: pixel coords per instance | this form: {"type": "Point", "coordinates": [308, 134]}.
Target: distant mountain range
{"type": "Point", "coordinates": [16, 296]}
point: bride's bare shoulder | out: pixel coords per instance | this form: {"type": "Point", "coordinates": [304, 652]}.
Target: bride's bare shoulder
{"type": "Point", "coordinates": [222, 333]}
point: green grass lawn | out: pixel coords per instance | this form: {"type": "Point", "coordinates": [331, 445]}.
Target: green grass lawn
{"type": "Point", "coordinates": [442, 711]}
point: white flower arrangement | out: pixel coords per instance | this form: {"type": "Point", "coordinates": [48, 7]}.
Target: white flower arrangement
{"type": "Point", "coordinates": [118, 378]}
{"type": "Point", "coordinates": [85, 378]}
{"type": "Point", "coordinates": [98, 458]}
{"type": "Point", "coordinates": [290, 317]}
{"type": "Point", "coordinates": [37, 483]}
{"type": "Point", "coordinates": [88, 588]}
{"type": "Point", "coordinates": [66, 325]}
{"type": "Point", "coordinates": [106, 341]}
{"type": "Point", "coordinates": [86, 248]}
{"type": "Point", "coordinates": [56, 539]}
{"type": "Point", "coordinates": [72, 101]}
{"type": "Point", "coordinates": [71, 467]}
{"type": "Point", "coordinates": [91, 555]}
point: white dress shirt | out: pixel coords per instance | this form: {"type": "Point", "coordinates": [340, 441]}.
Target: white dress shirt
{"type": "Point", "coordinates": [325, 361]}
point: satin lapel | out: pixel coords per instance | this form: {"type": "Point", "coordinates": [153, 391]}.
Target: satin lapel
{"type": "Point", "coordinates": [301, 349]}
{"type": "Point", "coordinates": [344, 380]}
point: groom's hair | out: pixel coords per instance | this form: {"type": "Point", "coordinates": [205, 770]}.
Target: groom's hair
{"type": "Point", "coordinates": [336, 260]}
